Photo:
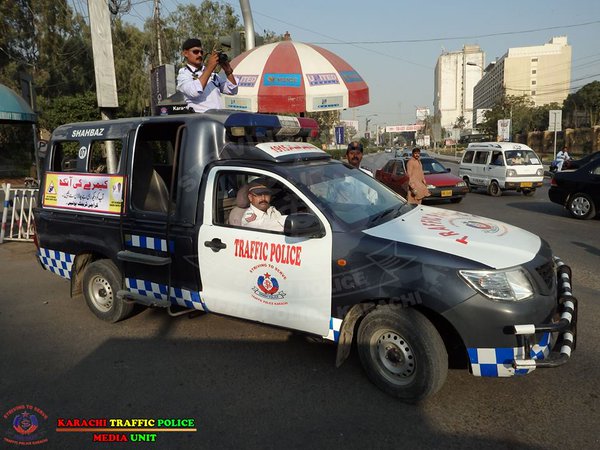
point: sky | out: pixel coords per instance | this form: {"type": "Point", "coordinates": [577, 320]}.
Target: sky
{"type": "Point", "coordinates": [372, 37]}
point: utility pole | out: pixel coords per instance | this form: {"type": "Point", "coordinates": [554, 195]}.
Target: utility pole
{"type": "Point", "coordinates": [157, 28]}
{"type": "Point", "coordinates": [104, 69]}
{"type": "Point", "coordinates": [248, 23]}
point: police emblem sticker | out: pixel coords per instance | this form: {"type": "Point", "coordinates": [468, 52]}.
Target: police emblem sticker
{"type": "Point", "coordinates": [268, 282]}
{"type": "Point", "coordinates": [25, 425]}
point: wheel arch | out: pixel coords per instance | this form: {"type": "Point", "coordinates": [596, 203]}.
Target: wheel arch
{"type": "Point", "coordinates": [82, 260]}
{"type": "Point", "coordinates": [455, 346]}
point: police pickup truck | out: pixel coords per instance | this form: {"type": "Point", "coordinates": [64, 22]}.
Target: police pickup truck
{"type": "Point", "coordinates": [157, 211]}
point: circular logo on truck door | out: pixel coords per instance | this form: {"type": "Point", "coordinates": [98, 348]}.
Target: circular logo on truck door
{"type": "Point", "coordinates": [267, 288]}
{"type": "Point", "coordinates": [268, 284]}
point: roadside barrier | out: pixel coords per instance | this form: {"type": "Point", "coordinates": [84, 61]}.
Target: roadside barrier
{"type": "Point", "coordinates": [17, 213]}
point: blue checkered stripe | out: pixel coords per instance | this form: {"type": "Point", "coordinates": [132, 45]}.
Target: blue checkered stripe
{"type": "Point", "coordinates": [57, 262]}
{"type": "Point", "coordinates": [334, 329]}
{"type": "Point", "coordinates": [180, 297]}
{"type": "Point", "coordinates": [497, 362]}
{"type": "Point", "coordinates": [134, 240]}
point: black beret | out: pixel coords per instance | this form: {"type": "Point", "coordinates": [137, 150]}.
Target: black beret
{"type": "Point", "coordinates": [355, 146]}
{"type": "Point", "coordinates": [191, 43]}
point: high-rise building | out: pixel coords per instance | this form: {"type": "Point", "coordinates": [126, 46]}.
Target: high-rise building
{"type": "Point", "coordinates": [456, 74]}
{"type": "Point", "coordinates": [541, 72]}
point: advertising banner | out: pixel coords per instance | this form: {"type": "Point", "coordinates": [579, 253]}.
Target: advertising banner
{"type": "Point", "coordinates": [96, 193]}
{"type": "Point", "coordinates": [504, 130]}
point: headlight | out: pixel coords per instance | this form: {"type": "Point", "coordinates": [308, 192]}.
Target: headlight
{"type": "Point", "coordinates": [430, 186]}
{"type": "Point", "coordinates": [508, 285]}
{"type": "Point", "coordinates": [511, 173]}
{"type": "Point", "coordinates": [540, 172]}
{"type": "Point", "coordinates": [461, 184]}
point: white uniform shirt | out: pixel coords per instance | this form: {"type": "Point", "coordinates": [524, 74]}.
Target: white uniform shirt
{"type": "Point", "coordinates": [563, 154]}
{"type": "Point", "coordinates": [203, 99]}
{"type": "Point", "coordinates": [271, 219]}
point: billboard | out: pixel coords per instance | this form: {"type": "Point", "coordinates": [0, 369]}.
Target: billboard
{"type": "Point", "coordinates": [504, 130]}
{"type": "Point", "coordinates": [349, 123]}
{"type": "Point", "coordinates": [555, 120]}
{"type": "Point", "coordinates": [422, 113]}
{"type": "Point", "coordinates": [403, 128]}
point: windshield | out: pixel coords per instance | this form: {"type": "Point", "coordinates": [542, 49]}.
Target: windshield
{"type": "Point", "coordinates": [432, 166]}
{"type": "Point", "coordinates": [521, 158]}
{"type": "Point", "coordinates": [352, 196]}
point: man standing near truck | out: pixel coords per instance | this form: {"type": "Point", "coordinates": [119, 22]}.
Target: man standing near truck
{"type": "Point", "coordinates": [201, 87]}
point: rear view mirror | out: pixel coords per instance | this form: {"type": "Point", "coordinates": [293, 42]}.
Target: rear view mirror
{"type": "Point", "coordinates": [303, 225]}
{"type": "Point", "coordinates": [42, 148]}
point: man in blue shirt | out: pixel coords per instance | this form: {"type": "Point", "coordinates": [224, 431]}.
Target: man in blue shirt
{"type": "Point", "coordinates": [201, 87]}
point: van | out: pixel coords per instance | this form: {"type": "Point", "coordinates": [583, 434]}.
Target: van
{"type": "Point", "coordinates": [156, 212]}
{"type": "Point", "coordinates": [501, 166]}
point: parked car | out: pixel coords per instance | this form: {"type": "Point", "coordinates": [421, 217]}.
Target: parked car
{"type": "Point", "coordinates": [578, 190]}
{"type": "Point", "coordinates": [440, 182]}
{"type": "Point", "coordinates": [388, 150]}
{"type": "Point", "coordinates": [577, 163]}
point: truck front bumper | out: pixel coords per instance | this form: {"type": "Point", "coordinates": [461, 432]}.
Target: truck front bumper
{"type": "Point", "coordinates": [565, 328]}
{"type": "Point", "coordinates": [541, 345]}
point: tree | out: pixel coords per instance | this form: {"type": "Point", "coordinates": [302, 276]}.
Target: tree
{"type": "Point", "coordinates": [208, 22]}
{"type": "Point", "coordinates": [131, 48]}
{"type": "Point", "coordinates": [586, 99]}
{"type": "Point", "coordinates": [326, 120]}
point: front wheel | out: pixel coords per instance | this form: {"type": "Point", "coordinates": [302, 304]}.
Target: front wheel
{"type": "Point", "coordinates": [494, 189]}
{"type": "Point", "coordinates": [581, 206]}
{"type": "Point", "coordinates": [101, 282]}
{"type": "Point", "coordinates": [402, 353]}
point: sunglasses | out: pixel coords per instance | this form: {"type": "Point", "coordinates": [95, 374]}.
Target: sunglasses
{"type": "Point", "coordinates": [197, 52]}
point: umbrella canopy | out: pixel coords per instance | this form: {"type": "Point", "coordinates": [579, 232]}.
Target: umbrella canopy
{"type": "Point", "coordinates": [292, 77]}
{"type": "Point", "coordinates": [13, 108]}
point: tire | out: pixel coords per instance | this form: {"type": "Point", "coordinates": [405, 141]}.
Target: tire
{"type": "Point", "coordinates": [528, 192]}
{"type": "Point", "coordinates": [101, 282]}
{"type": "Point", "coordinates": [581, 206]}
{"type": "Point", "coordinates": [456, 199]}
{"type": "Point", "coordinates": [402, 353]}
{"type": "Point", "coordinates": [494, 189]}
{"type": "Point", "coordinates": [466, 180]}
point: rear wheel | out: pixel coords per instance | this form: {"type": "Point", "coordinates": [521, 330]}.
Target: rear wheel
{"type": "Point", "coordinates": [466, 180]}
{"type": "Point", "coordinates": [581, 206]}
{"type": "Point", "coordinates": [402, 353]}
{"type": "Point", "coordinates": [101, 282]}
{"type": "Point", "coordinates": [494, 189]}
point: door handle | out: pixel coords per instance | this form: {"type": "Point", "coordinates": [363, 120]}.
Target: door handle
{"type": "Point", "coordinates": [215, 245]}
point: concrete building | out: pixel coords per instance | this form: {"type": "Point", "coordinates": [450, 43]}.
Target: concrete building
{"type": "Point", "coordinates": [541, 72]}
{"type": "Point", "coordinates": [456, 74]}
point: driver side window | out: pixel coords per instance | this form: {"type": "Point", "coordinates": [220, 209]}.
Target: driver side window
{"type": "Point", "coordinates": [250, 200]}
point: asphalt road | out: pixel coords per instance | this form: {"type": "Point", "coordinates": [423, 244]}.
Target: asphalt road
{"type": "Point", "coordinates": [251, 386]}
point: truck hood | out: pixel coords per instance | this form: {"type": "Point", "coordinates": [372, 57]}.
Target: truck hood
{"type": "Point", "coordinates": [487, 241]}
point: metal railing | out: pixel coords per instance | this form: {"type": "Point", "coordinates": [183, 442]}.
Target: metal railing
{"type": "Point", "coordinates": [17, 213]}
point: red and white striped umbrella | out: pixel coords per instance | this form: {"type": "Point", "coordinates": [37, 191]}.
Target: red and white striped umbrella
{"type": "Point", "coordinates": [292, 77]}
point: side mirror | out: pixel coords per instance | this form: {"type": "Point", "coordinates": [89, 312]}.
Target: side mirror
{"type": "Point", "coordinates": [303, 225]}
{"type": "Point", "coordinates": [42, 148]}
{"type": "Point", "coordinates": [447, 169]}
